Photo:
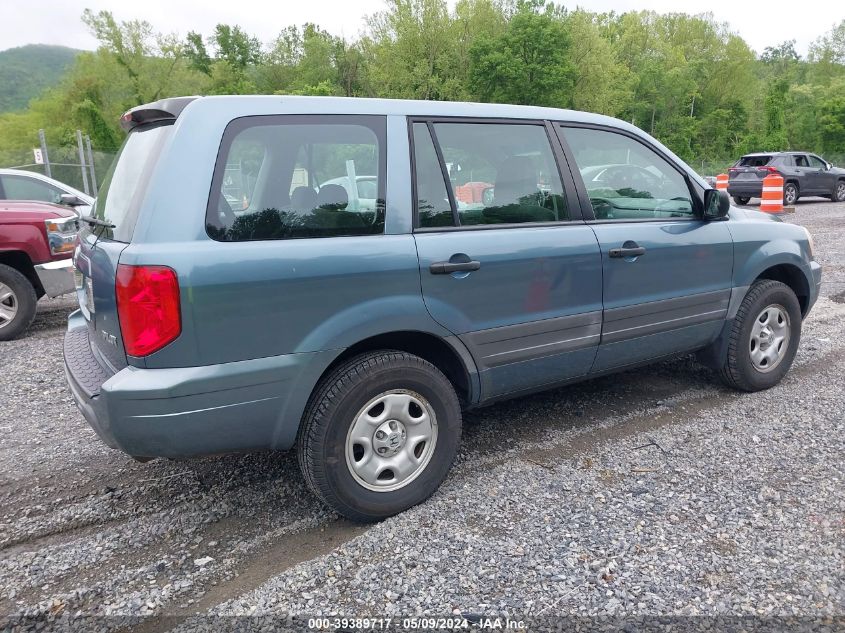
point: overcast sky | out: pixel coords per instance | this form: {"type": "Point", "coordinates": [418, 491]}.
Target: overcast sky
{"type": "Point", "coordinates": [761, 22]}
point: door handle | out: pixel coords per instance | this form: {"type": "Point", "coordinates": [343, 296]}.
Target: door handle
{"type": "Point", "coordinates": [629, 249]}
{"type": "Point", "coordinates": [445, 268]}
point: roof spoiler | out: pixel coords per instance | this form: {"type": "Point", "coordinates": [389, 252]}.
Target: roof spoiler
{"type": "Point", "coordinates": [162, 110]}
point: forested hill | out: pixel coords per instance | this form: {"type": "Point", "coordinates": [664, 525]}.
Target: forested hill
{"type": "Point", "coordinates": [689, 80]}
{"type": "Point", "coordinates": [27, 70]}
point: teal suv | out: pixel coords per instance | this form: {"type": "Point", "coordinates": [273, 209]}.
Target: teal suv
{"type": "Point", "coordinates": [346, 276]}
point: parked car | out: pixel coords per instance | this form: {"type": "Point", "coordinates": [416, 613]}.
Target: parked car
{"type": "Point", "coordinates": [363, 197]}
{"type": "Point", "coordinates": [16, 184]}
{"type": "Point", "coordinates": [804, 174]}
{"type": "Point", "coordinates": [36, 245]}
{"type": "Point", "coordinates": [359, 338]}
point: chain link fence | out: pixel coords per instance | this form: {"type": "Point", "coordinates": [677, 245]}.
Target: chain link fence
{"type": "Point", "coordinates": [64, 163]}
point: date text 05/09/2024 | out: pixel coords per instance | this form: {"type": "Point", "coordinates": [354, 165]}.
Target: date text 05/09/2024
{"type": "Point", "coordinates": [417, 624]}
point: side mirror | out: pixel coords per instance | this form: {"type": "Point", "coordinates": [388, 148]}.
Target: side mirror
{"type": "Point", "coordinates": [71, 200]}
{"type": "Point", "coordinates": [716, 204]}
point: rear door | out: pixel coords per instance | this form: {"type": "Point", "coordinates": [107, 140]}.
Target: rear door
{"type": "Point", "coordinates": [96, 257]}
{"type": "Point", "coordinates": [513, 271]}
{"type": "Point", "coordinates": [666, 272]}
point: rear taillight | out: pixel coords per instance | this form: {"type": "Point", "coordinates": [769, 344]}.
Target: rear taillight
{"type": "Point", "coordinates": [147, 307]}
{"type": "Point", "coordinates": [768, 168]}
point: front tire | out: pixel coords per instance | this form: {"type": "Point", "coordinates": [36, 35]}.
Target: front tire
{"type": "Point", "coordinates": [839, 191]}
{"type": "Point", "coordinates": [17, 303]}
{"type": "Point", "coordinates": [763, 338]}
{"type": "Point", "coordinates": [379, 435]}
{"type": "Point", "coordinates": [742, 200]}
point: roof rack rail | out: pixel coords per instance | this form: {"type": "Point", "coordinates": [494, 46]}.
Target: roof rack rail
{"type": "Point", "coordinates": [162, 110]}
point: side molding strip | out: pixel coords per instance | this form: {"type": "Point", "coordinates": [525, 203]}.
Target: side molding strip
{"type": "Point", "coordinates": [536, 339]}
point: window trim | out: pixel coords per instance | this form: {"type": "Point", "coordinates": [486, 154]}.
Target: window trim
{"type": "Point", "coordinates": [444, 173]}
{"type": "Point", "coordinates": [566, 181]}
{"type": "Point", "coordinates": [696, 192]}
{"type": "Point", "coordinates": [376, 123]}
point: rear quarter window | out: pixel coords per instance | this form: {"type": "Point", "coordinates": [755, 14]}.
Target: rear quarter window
{"type": "Point", "coordinates": [294, 176]}
{"type": "Point", "coordinates": [125, 184]}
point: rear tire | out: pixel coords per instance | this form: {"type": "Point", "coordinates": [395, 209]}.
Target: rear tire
{"type": "Point", "coordinates": [763, 338]}
{"type": "Point", "coordinates": [791, 193]}
{"type": "Point", "coordinates": [742, 200]}
{"type": "Point", "coordinates": [354, 455]}
{"type": "Point", "coordinates": [839, 192]}
{"type": "Point", "coordinates": [17, 303]}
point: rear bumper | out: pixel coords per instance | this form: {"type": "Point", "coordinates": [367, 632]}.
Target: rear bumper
{"type": "Point", "coordinates": [739, 188]}
{"type": "Point", "coordinates": [178, 412]}
{"type": "Point", "coordinates": [56, 277]}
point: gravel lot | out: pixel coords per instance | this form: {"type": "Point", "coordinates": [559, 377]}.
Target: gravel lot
{"type": "Point", "coordinates": [654, 492]}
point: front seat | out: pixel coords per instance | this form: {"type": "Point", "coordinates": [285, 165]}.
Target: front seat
{"type": "Point", "coordinates": [515, 193]}
{"type": "Point", "coordinates": [303, 200]}
{"type": "Point", "coordinates": [330, 213]}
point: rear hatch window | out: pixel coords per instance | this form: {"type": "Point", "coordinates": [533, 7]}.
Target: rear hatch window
{"type": "Point", "coordinates": [123, 188]}
{"type": "Point", "coordinates": [754, 161]}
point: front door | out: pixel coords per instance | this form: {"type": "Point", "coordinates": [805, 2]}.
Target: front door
{"type": "Point", "coordinates": [823, 181]}
{"type": "Point", "coordinates": [666, 272]}
{"type": "Point", "coordinates": [505, 264]}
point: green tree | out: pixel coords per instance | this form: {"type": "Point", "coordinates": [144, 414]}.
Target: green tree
{"type": "Point", "coordinates": [410, 48]}
{"type": "Point", "coordinates": [528, 63]}
{"type": "Point", "coordinates": [775, 131]}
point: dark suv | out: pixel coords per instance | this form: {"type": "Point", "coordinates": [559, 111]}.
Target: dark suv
{"type": "Point", "coordinates": [803, 175]}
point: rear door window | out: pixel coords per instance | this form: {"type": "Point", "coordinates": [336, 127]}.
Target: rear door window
{"type": "Point", "coordinates": [287, 177]}
{"type": "Point", "coordinates": [496, 173]}
{"type": "Point", "coordinates": [125, 184]}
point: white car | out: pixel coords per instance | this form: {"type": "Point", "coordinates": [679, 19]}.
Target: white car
{"type": "Point", "coordinates": [16, 184]}
{"type": "Point", "coordinates": [365, 194]}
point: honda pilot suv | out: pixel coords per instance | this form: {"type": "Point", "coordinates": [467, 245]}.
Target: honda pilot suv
{"type": "Point", "coordinates": [237, 293]}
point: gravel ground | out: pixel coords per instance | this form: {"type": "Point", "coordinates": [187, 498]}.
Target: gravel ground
{"type": "Point", "coordinates": [653, 492]}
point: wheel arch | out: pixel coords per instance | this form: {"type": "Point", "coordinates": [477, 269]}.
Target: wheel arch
{"type": "Point", "coordinates": [448, 354]}
{"type": "Point", "coordinates": [792, 276]}
{"type": "Point", "coordinates": [21, 262]}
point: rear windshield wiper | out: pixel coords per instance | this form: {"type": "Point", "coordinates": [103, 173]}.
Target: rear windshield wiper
{"type": "Point", "coordinates": [90, 219]}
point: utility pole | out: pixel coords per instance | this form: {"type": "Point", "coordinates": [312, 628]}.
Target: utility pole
{"type": "Point", "coordinates": [91, 166]}
{"type": "Point", "coordinates": [42, 139]}
{"type": "Point", "coordinates": [82, 162]}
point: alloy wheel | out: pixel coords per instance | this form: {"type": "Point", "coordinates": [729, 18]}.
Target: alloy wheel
{"type": "Point", "coordinates": [8, 305]}
{"type": "Point", "coordinates": [790, 194]}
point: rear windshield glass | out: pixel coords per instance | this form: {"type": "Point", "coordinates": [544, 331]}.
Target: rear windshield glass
{"type": "Point", "coordinates": [754, 161]}
{"type": "Point", "coordinates": [124, 185]}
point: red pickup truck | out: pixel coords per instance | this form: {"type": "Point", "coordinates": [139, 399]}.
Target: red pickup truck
{"type": "Point", "coordinates": [36, 245]}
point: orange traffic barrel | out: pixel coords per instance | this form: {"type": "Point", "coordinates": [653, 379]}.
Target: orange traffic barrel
{"type": "Point", "coordinates": [722, 182]}
{"type": "Point", "coordinates": [772, 199]}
